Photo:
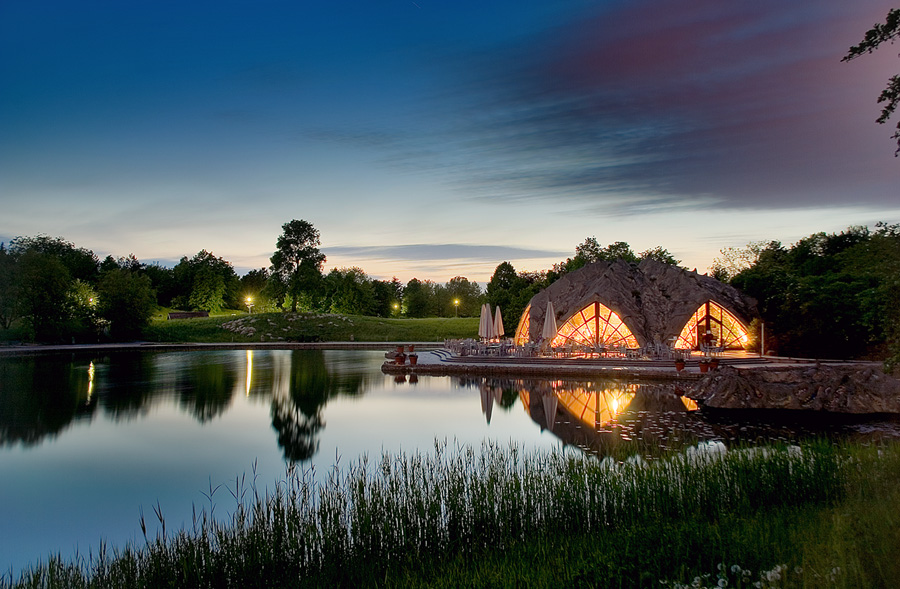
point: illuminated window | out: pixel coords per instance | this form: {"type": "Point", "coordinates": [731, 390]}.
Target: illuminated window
{"type": "Point", "coordinates": [713, 325]}
{"type": "Point", "coordinates": [522, 336]}
{"type": "Point", "coordinates": [592, 326]}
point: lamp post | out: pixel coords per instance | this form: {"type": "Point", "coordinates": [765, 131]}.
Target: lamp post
{"type": "Point", "coordinates": [396, 308]}
{"type": "Point", "coordinates": [456, 306]}
{"type": "Point", "coordinates": [249, 303]}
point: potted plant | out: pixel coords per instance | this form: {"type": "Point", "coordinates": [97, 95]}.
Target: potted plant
{"type": "Point", "coordinates": [679, 364]}
{"type": "Point", "coordinates": [713, 363]}
{"type": "Point", "coordinates": [401, 358]}
{"type": "Point", "coordinates": [704, 364]}
{"type": "Point", "coordinates": [413, 359]}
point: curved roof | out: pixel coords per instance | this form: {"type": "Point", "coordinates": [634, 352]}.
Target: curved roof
{"type": "Point", "coordinates": [654, 299]}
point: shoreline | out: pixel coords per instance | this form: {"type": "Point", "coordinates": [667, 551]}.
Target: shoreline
{"type": "Point", "coordinates": [433, 360]}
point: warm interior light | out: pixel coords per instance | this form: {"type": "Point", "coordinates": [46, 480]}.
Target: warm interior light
{"type": "Point", "coordinates": [593, 325]}
{"type": "Point", "coordinates": [724, 329]}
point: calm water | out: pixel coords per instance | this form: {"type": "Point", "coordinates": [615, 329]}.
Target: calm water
{"type": "Point", "coordinates": [88, 442]}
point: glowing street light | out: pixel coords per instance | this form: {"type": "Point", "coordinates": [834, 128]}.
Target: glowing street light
{"type": "Point", "coordinates": [396, 307]}
{"type": "Point", "coordinates": [456, 305]}
{"type": "Point", "coordinates": [249, 303]}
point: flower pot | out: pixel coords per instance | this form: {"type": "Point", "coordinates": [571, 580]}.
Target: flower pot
{"type": "Point", "coordinates": [399, 350]}
{"type": "Point", "coordinates": [413, 359]}
{"type": "Point", "coordinates": [714, 363]}
{"type": "Point", "coordinates": [704, 366]}
{"type": "Point", "coordinates": [679, 365]}
{"type": "Point", "coordinates": [411, 348]}
{"type": "Point", "coordinates": [401, 358]}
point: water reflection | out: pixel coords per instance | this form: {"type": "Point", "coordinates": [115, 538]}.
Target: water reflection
{"type": "Point", "coordinates": [599, 416]}
{"type": "Point", "coordinates": [40, 396]}
{"type": "Point", "coordinates": [606, 417]}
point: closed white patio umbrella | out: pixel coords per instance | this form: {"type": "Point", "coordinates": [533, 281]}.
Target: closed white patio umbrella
{"type": "Point", "coordinates": [485, 324]}
{"type": "Point", "coordinates": [498, 324]}
{"type": "Point", "coordinates": [550, 328]}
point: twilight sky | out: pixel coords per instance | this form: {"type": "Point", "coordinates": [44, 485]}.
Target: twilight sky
{"type": "Point", "coordinates": [435, 139]}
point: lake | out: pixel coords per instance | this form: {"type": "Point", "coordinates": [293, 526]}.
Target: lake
{"type": "Point", "coordinates": [89, 442]}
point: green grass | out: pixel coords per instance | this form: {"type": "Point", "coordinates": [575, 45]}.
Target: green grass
{"type": "Point", "coordinates": [502, 517]}
{"type": "Point", "coordinates": [307, 327]}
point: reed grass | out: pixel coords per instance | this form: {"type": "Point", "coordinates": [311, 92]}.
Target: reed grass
{"type": "Point", "coordinates": [501, 516]}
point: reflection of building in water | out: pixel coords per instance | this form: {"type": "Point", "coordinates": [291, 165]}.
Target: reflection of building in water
{"type": "Point", "coordinates": [596, 416]}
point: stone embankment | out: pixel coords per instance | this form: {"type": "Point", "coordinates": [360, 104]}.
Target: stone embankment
{"type": "Point", "coordinates": [855, 388]}
{"type": "Point", "coordinates": [846, 388]}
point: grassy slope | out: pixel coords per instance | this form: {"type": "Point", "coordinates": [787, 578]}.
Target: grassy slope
{"type": "Point", "coordinates": [308, 327]}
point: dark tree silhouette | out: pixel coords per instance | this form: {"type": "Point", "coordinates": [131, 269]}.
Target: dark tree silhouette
{"type": "Point", "coordinates": [878, 34]}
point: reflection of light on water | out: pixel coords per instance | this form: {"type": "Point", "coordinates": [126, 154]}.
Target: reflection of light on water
{"type": "Point", "coordinates": [249, 369]}
{"type": "Point", "coordinates": [615, 406]}
{"type": "Point", "coordinates": [90, 381]}
{"type": "Point", "coordinates": [689, 404]}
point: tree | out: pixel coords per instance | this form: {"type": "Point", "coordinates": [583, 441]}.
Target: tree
{"type": "Point", "coordinates": [297, 262]}
{"type": "Point", "coordinates": [127, 301]}
{"type": "Point", "coordinates": [387, 295]}
{"type": "Point", "coordinates": [350, 292]}
{"type": "Point", "coordinates": [9, 288]}
{"type": "Point", "coordinates": [878, 34]}
{"type": "Point", "coordinates": [208, 292]}
{"type": "Point", "coordinates": [734, 260]}
{"type": "Point", "coordinates": [660, 254]}
{"type": "Point", "coordinates": [467, 293]}
{"type": "Point", "coordinates": [205, 282]}
{"type": "Point", "coordinates": [44, 283]}
{"type": "Point", "coordinates": [415, 298]}
{"type": "Point", "coordinates": [80, 263]}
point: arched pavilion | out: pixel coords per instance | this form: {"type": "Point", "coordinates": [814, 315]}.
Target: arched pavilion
{"type": "Point", "coordinates": [635, 305]}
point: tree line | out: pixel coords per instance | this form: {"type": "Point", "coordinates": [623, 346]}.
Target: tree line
{"type": "Point", "coordinates": [828, 295]}
{"type": "Point", "coordinates": [54, 291]}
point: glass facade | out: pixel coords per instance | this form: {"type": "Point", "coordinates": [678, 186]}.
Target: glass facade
{"type": "Point", "coordinates": [522, 329]}
{"type": "Point", "coordinates": [592, 326]}
{"type": "Point", "coordinates": [712, 326]}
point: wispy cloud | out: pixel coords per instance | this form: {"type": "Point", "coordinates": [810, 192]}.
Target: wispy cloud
{"type": "Point", "coordinates": [436, 252]}
{"type": "Point", "coordinates": [655, 106]}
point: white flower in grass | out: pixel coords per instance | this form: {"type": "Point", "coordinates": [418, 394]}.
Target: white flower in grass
{"type": "Point", "coordinates": [723, 583]}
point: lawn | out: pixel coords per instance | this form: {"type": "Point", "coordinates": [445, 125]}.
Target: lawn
{"type": "Point", "coordinates": [234, 326]}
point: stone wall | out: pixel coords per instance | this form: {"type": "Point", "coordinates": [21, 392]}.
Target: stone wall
{"type": "Point", "coordinates": [851, 389]}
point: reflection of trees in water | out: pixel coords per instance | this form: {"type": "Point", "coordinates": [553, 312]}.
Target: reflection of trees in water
{"type": "Point", "coordinates": [206, 386]}
{"type": "Point", "coordinates": [126, 382]}
{"type": "Point", "coordinates": [300, 394]}
{"type": "Point", "coordinates": [40, 396]}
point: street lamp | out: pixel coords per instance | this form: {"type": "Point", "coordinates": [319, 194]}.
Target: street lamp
{"type": "Point", "coordinates": [396, 307]}
{"type": "Point", "coordinates": [456, 305]}
{"type": "Point", "coordinates": [249, 303]}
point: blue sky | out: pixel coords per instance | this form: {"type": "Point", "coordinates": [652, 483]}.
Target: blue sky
{"type": "Point", "coordinates": [434, 139]}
